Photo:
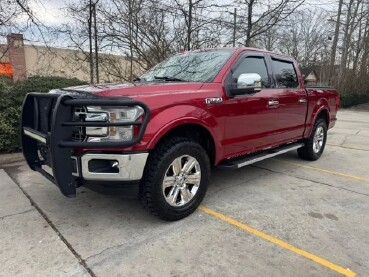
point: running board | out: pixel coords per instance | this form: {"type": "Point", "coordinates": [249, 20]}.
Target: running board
{"type": "Point", "coordinates": [246, 160]}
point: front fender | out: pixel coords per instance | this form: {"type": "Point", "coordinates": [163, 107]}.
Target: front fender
{"type": "Point", "coordinates": [164, 121]}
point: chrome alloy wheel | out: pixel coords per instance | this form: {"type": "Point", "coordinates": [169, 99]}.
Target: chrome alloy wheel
{"type": "Point", "coordinates": [181, 181]}
{"type": "Point", "coordinates": [318, 139]}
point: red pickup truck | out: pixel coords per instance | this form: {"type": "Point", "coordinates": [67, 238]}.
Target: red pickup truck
{"type": "Point", "coordinates": [162, 134]}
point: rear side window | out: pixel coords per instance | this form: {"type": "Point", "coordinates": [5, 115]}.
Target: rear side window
{"type": "Point", "coordinates": [285, 74]}
{"type": "Point", "coordinates": [253, 65]}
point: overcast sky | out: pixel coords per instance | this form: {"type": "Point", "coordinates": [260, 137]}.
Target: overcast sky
{"type": "Point", "coordinates": [52, 12]}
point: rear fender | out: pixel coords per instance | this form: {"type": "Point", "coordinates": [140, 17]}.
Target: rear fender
{"type": "Point", "coordinates": [321, 105]}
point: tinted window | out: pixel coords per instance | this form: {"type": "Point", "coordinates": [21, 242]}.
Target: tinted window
{"type": "Point", "coordinates": [285, 74]}
{"type": "Point", "coordinates": [253, 65]}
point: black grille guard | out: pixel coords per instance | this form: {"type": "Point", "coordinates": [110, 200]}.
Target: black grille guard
{"type": "Point", "coordinates": [47, 121]}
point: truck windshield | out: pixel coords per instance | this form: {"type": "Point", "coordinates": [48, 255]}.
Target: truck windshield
{"type": "Point", "coordinates": [189, 67]}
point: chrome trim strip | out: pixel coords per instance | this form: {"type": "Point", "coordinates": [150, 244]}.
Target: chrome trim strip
{"type": "Point", "coordinates": [260, 158]}
{"type": "Point", "coordinates": [131, 167]}
{"type": "Point", "coordinates": [35, 136]}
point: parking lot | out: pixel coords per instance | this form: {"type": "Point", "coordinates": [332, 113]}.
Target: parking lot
{"type": "Point", "coordinates": [279, 217]}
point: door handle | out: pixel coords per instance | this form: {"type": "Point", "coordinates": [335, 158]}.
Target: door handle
{"type": "Point", "coordinates": [272, 103]}
{"type": "Point", "coordinates": [302, 100]}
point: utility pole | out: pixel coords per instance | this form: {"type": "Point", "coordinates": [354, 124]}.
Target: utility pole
{"type": "Point", "coordinates": [96, 46]}
{"type": "Point", "coordinates": [234, 26]}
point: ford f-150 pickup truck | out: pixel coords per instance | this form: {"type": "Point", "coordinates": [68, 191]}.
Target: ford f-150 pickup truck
{"type": "Point", "coordinates": [162, 134]}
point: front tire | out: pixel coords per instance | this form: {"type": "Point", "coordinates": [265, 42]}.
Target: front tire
{"type": "Point", "coordinates": [175, 180]}
{"type": "Point", "coordinates": [315, 144]}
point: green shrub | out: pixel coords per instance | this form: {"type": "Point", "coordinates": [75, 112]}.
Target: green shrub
{"type": "Point", "coordinates": [352, 99]}
{"type": "Point", "coordinates": [353, 89]}
{"type": "Point", "coordinates": [11, 99]}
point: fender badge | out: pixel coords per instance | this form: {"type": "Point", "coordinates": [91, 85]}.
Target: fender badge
{"type": "Point", "coordinates": [216, 100]}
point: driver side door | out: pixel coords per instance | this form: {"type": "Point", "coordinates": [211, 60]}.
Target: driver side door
{"type": "Point", "coordinates": [250, 119]}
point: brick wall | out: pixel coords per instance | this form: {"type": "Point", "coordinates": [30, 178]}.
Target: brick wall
{"type": "Point", "coordinates": [16, 56]}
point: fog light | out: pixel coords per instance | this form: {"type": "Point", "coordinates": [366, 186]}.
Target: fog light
{"type": "Point", "coordinates": [103, 166]}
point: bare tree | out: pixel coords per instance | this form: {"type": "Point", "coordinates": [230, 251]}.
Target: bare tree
{"type": "Point", "coordinates": [259, 17]}
{"type": "Point", "coordinates": [305, 36]}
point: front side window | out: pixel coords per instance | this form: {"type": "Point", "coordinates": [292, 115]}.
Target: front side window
{"type": "Point", "coordinates": [201, 66]}
{"type": "Point", "coordinates": [253, 65]}
{"type": "Point", "coordinates": [285, 74]}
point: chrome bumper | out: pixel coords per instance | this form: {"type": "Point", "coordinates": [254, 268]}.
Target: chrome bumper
{"type": "Point", "coordinates": [129, 167]}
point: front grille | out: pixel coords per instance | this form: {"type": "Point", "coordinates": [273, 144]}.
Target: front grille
{"type": "Point", "coordinates": [79, 133]}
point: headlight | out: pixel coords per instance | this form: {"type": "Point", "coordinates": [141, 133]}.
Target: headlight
{"type": "Point", "coordinates": [112, 115]}
{"type": "Point", "coordinates": [95, 114]}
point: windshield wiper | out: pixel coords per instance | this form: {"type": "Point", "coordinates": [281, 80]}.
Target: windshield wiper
{"type": "Point", "coordinates": [169, 78]}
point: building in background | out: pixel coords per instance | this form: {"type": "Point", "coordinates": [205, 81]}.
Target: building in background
{"type": "Point", "coordinates": [310, 75]}
{"type": "Point", "coordinates": [19, 60]}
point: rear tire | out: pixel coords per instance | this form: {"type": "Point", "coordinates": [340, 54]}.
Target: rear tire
{"type": "Point", "coordinates": [175, 179]}
{"type": "Point", "coordinates": [314, 145]}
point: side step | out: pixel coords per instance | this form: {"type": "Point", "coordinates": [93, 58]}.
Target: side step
{"type": "Point", "coordinates": [253, 158]}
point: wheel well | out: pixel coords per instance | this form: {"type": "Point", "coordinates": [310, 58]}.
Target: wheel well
{"type": "Point", "coordinates": [196, 132]}
{"type": "Point", "coordinates": [324, 115]}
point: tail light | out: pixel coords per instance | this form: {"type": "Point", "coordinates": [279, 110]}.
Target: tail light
{"type": "Point", "coordinates": [337, 102]}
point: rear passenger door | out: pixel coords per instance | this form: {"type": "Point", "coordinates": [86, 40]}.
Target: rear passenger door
{"type": "Point", "coordinates": [292, 100]}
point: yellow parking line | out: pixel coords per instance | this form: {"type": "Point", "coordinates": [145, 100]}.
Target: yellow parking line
{"type": "Point", "coordinates": [325, 170]}
{"type": "Point", "coordinates": [348, 147]}
{"type": "Point", "coordinates": [279, 242]}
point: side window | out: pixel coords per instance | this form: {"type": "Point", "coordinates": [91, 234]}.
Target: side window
{"type": "Point", "coordinates": [285, 74]}
{"type": "Point", "coordinates": [253, 65]}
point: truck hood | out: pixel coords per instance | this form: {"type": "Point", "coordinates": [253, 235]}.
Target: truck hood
{"type": "Point", "coordinates": [140, 90]}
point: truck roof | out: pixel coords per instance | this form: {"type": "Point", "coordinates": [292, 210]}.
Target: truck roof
{"type": "Point", "coordinates": [240, 49]}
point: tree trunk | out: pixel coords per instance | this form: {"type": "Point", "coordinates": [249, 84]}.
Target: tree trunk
{"type": "Point", "coordinates": [90, 43]}
{"type": "Point", "coordinates": [349, 28]}
{"type": "Point", "coordinates": [335, 41]}
{"type": "Point", "coordinates": [365, 57]}
{"type": "Point", "coordinates": [250, 6]}
{"type": "Point", "coordinates": [189, 27]}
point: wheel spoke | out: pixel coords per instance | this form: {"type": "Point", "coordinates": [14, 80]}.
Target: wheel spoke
{"type": "Point", "coordinates": [177, 166]}
{"type": "Point", "coordinates": [319, 131]}
{"type": "Point", "coordinates": [173, 195]}
{"type": "Point", "coordinates": [194, 179]}
{"type": "Point", "coordinates": [186, 195]}
{"type": "Point", "coordinates": [189, 165]}
{"type": "Point", "coordinates": [168, 181]}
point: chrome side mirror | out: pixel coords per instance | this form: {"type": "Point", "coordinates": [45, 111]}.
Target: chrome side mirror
{"type": "Point", "coordinates": [250, 82]}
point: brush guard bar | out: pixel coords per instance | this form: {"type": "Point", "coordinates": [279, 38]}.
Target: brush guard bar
{"type": "Point", "coordinates": [47, 126]}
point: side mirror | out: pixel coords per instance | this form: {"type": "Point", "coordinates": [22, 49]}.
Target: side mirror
{"type": "Point", "coordinates": [247, 83]}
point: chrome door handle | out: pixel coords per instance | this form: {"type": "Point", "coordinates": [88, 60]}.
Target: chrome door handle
{"type": "Point", "coordinates": [302, 100]}
{"type": "Point", "coordinates": [273, 103]}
